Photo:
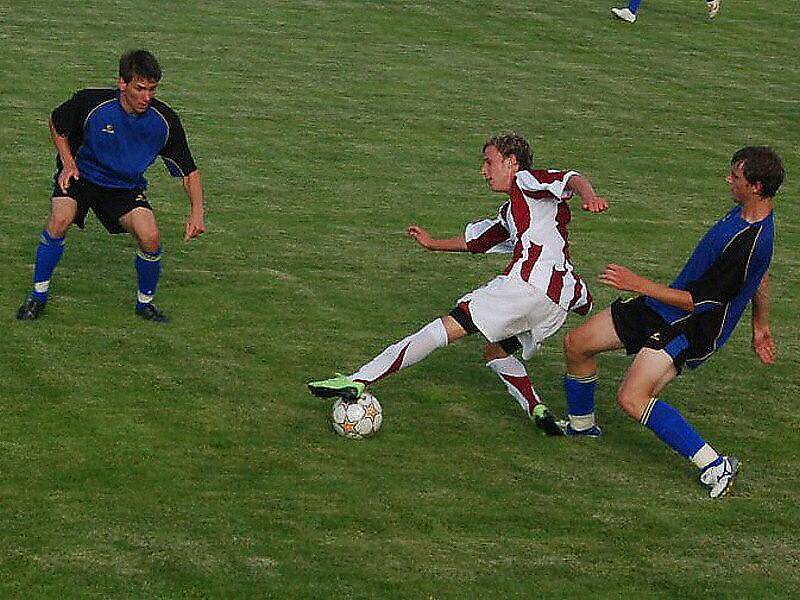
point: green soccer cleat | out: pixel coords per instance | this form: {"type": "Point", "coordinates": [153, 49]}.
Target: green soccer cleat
{"type": "Point", "coordinates": [544, 420]}
{"type": "Point", "coordinates": [340, 386]}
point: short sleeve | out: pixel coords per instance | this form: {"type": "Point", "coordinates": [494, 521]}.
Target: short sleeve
{"type": "Point", "coordinates": [489, 235]}
{"type": "Point", "coordinates": [176, 154]}
{"type": "Point", "coordinates": [550, 184]}
{"type": "Point", "coordinates": [725, 277]}
{"type": "Point", "coordinates": [66, 117]}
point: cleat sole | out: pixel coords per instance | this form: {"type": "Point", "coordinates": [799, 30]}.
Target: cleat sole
{"type": "Point", "coordinates": [347, 394]}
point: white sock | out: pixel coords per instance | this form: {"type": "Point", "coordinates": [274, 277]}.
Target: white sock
{"type": "Point", "coordinates": [582, 422]}
{"type": "Point", "coordinates": [515, 377]}
{"type": "Point", "coordinates": [705, 456]}
{"type": "Point", "coordinates": [408, 351]}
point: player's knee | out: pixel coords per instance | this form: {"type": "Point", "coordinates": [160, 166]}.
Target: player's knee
{"type": "Point", "coordinates": [493, 351]}
{"type": "Point", "coordinates": [58, 225]}
{"type": "Point", "coordinates": [631, 402]}
{"type": "Point", "coordinates": [573, 347]}
{"type": "Point", "coordinates": [150, 242]}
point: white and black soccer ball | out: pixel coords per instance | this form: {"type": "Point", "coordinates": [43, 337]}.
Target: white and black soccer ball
{"type": "Point", "coordinates": [357, 420]}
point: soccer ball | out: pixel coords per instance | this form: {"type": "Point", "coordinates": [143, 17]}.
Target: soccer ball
{"type": "Point", "coordinates": [357, 420]}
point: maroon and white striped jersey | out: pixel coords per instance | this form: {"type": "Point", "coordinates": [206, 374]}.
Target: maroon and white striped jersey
{"type": "Point", "coordinates": [532, 224]}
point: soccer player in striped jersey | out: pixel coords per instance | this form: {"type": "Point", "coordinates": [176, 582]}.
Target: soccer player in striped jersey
{"type": "Point", "coordinates": [518, 309]}
{"type": "Point", "coordinates": [669, 327]}
{"type": "Point", "coordinates": [628, 13]}
{"type": "Point", "coordinates": [106, 139]}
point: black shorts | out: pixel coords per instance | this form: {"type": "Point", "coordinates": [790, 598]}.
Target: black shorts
{"type": "Point", "coordinates": [109, 204]}
{"type": "Point", "coordinates": [639, 326]}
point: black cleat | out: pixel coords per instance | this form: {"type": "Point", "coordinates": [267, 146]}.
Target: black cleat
{"type": "Point", "coordinates": [150, 313]}
{"type": "Point", "coordinates": [545, 421]}
{"type": "Point", "coordinates": [30, 309]}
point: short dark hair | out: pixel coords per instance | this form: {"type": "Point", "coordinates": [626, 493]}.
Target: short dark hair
{"type": "Point", "coordinates": [139, 63]}
{"type": "Point", "coordinates": [761, 164]}
{"type": "Point", "coordinates": [510, 143]}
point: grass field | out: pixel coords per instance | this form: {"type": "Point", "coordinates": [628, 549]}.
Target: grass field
{"type": "Point", "coordinates": [188, 460]}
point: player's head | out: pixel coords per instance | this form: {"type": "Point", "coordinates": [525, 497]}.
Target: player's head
{"type": "Point", "coordinates": [141, 64]}
{"type": "Point", "coordinates": [760, 168]}
{"type": "Point", "coordinates": [510, 144]}
{"type": "Point", "coordinates": [503, 156]}
{"type": "Point", "coordinates": [139, 74]}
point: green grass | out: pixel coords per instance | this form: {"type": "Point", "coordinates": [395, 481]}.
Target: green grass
{"type": "Point", "coordinates": [189, 461]}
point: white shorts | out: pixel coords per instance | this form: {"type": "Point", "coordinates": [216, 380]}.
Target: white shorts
{"type": "Point", "coordinates": [507, 307]}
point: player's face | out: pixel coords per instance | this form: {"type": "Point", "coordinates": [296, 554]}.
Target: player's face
{"type": "Point", "coordinates": [498, 171]}
{"type": "Point", "coordinates": [137, 94]}
{"type": "Point", "coordinates": [741, 189]}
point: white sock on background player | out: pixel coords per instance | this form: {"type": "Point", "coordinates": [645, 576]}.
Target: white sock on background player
{"type": "Point", "coordinates": [408, 351]}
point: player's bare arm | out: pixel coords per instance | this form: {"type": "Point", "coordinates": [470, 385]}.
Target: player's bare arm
{"type": "Point", "coordinates": [70, 169]}
{"type": "Point", "coordinates": [195, 224]}
{"type": "Point", "coordinates": [622, 278]}
{"type": "Point", "coordinates": [763, 343]}
{"type": "Point", "coordinates": [590, 201]}
{"type": "Point", "coordinates": [424, 239]}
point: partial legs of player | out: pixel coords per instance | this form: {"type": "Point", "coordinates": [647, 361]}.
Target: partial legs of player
{"type": "Point", "coordinates": [412, 349]}
{"type": "Point", "coordinates": [48, 253]}
{"type": "Point", "coordinates": [627, 13]}
{"type": "Point", "coordinates": [141, 223]}
{"type": "Point", "coordinates": [580, 348]}
{"type": "Point", "coordinates": [408, 351]}
{"type": "Point", "coordinates": [514, 375]}
{"type": "Point", "coordinates": [647, 376]}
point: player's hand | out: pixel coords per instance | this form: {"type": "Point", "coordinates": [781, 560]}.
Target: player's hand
{"type": "Point", "coordinates": [68, 172]}
{"type": "Point", "coordinates": [595, 204]}
{"type": "Point", "coordinates": [764, 345]}
{"type": "Point", "coordinates": [422, 237]}
{"type": "Point", "coordinates": [621, 278]}
{"type": "Point", "coordinates": [194, 226]}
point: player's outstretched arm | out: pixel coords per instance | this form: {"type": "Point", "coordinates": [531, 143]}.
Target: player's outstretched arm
{"type": "Point", "coordinates": [424, 239]}
{"type": "Point", "coordinates": [195, 223]}
{"type": "Point", "coordinates": [590, 201]}
{"type": "Point", "coordinates": [763, 344]}
{"type": "Point", "coordinates": [622, 278]}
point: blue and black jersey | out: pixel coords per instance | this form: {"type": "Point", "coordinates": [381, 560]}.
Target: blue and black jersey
{"type": "Point", "coordinates": [722, 275]}
{"type": "Point", "coordinates": [113, 148]}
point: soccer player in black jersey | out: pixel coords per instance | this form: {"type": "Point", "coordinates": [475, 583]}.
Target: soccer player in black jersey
{"type": "Point", "coordinates": [106, 139]}
{"type": "Point", "coordinates": [683, 324]}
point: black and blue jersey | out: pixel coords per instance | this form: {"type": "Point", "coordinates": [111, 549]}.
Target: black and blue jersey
{"type": "Point", "coordinates": [113, 148]}
{"type": "Point", "coordinates": [722, 275]}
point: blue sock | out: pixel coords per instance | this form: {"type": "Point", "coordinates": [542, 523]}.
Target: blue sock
{"type": "Point", "coordinates": [633, 5]}
{"type": "Point", "coordinates": [671, 428]}
{"type": "Point", "coordinates": [148, 271]}
{"type": "Point", "coordinates": [48, 254]}
{"type": "Point", "coordinates": [580, 394]}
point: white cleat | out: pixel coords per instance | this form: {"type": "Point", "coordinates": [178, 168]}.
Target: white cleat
{"type": "Point", "coordinates": [626, 15]}
{"type": "Point", "coordinates": [713, 8]}
{"type": "Point", "coordinates": [719, 479]}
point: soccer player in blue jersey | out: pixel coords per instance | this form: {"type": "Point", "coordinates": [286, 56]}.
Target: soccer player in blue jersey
{"type": "Point", "coordinates": [106, 139]}
{"type": "Point", "coordinates": [669, 327]}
